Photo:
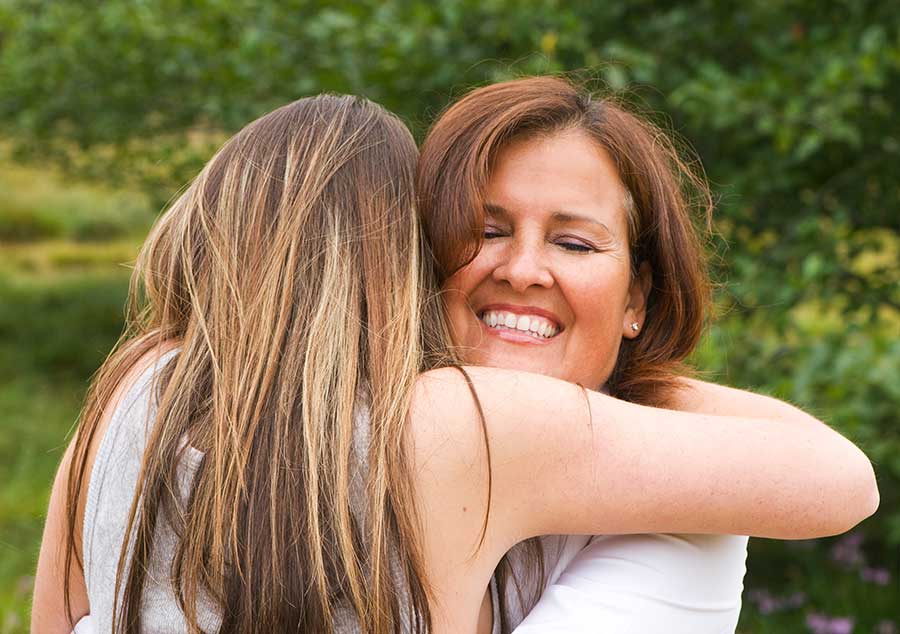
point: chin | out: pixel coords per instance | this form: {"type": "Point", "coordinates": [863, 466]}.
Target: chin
{"type": "Point", "coordinates": [517, 362]}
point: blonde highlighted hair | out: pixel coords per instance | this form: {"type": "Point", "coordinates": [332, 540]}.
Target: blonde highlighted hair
{"type": "Point", "coordinates": [290, 275]}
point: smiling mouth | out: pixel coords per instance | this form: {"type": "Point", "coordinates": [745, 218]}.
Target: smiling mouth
{"type": "Point", "coordinates": [534, 326]}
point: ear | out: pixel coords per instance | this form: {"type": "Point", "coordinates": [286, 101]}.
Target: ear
{"type": "Point", "coordinates": [638, 292]}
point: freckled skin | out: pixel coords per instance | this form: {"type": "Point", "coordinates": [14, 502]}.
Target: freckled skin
{"type": "Point", "coordinates": [556, 238]}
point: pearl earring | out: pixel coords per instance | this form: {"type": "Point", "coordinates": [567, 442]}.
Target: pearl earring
{"type": "Point", "coordinates": [635, 326]}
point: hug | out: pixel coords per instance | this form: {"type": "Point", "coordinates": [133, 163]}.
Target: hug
{"type": "Point", "coordinates": [364, 389]}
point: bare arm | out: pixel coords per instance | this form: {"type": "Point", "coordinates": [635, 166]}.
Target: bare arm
{"type": "Point", "coordinates": [624, 468]}
{"type": "Point", "coordinates": [48, 613]}
{"type": "Point", "coordinates": [702, 397]}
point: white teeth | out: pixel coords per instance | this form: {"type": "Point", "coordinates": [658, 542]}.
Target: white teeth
{"type": "Point", "coordinates": [532, 325]}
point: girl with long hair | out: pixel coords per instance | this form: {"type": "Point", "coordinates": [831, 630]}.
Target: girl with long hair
{"type": "Point", "coordinates": [278, 298]}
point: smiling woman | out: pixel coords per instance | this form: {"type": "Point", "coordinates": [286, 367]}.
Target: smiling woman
{"type": "Point", "coordinates": [556, 258]}
{"type": "Point", "coordinates": [563, 226]}
{"type": "Point", "coordinates": [578, 196]}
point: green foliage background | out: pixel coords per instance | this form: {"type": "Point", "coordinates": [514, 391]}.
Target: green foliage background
{"type": "Point", "coordinates": [791, 105]}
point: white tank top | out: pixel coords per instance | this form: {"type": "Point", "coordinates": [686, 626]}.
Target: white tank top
{"type": "Point", "coordinates": [640, 584]}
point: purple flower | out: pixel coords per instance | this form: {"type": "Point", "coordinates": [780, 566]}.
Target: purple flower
{"type": "Point", "coordinates": [886, 627]}
{"type": "Point", "coordinates": [795, 600]}
{"type": "Point", "coordinates": [821, 624]}
{"type": "Point", "coordinates": [842, 625]}
{"type": "Point", "coordinates": [766, 603]}
{"type": "Point", "coordinates": [878, 576]}
{"type": "Point", "coordinates": [817, 623]}
{"type": "Point", "coordinates": [848, 551]}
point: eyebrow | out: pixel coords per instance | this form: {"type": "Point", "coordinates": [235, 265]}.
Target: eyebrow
{"type": "Point", "coordinates": [493, 209]}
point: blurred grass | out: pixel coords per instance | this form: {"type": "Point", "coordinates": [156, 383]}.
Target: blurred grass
{"type": "Point", "coordinates": [57, 258]}
{"type": "Point", "coordinates": [37, 413]}
{"type": "Point", "coordinates": [39, 205]}
{"type": "Point", "coordinates": [65, 254]}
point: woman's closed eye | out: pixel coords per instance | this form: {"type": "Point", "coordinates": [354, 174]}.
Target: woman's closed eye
{"type": "Point", "coordinates": [575, 246]}
{"type": "Point", "coordinates": [569, 244]}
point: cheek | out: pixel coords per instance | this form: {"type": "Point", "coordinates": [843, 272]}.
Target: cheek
{"type": "Point", "coordinates": [465, 280]}
{"type": "Point", "coordinates": [600, 327]}
{"type": "Point", "coordinates": [457, 310]}
{"type": "Point", "coordinates": [598, 302]}
{"type": "Point", "coordinates": [605, 281]}
{"type": "Point", "coordinates": [456, 292]}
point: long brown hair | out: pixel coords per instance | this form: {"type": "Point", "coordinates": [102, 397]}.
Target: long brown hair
{"type": "Point", "coordinates": [668, 204]}
{"type": "Point", "coordinates": [290, 275]}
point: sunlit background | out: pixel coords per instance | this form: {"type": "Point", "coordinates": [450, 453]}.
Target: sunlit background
{"type": "Point", "coordinates": [793, 108]}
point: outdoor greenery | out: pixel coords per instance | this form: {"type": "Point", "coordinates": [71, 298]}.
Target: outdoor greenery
{"type": "Point", "coordinates": [790, 105]}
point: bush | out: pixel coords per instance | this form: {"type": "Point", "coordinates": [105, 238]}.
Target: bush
{"type": "Point", "coordinates": [62, 327]}
{"type": "Point", "coordinates": [40, 204]}
{"type": "Point", "coordinates": [18, 224]}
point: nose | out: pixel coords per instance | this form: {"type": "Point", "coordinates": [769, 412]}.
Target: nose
{"type": "Point", "coordinates": [523, 265]}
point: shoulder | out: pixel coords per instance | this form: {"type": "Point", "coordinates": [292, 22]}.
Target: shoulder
{"type": "Point", "coordinates": [487, 439]}
{"type": "Point", "coordinates": [124, 396]}
{"type": "Point", "coordinates": [127, 392]}
{"type": "Point", "coordinates": [465, 418]}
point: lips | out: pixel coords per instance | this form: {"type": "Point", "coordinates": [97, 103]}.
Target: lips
{"type": "Point", "coordinates": [530, 321]}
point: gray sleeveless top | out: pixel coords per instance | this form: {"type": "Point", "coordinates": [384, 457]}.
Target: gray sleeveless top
{"type": "Point", "coordinates": [113, 482]}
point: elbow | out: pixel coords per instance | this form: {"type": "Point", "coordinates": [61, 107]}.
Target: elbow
{"type": "Point", "coordinates": [861, 499]}
{"type": "Point", "coordinates": [874, 500]}
{"type": "Point", "coordinates": [869, 497]}
{"type": "Point", "coordinates": [846, 496]}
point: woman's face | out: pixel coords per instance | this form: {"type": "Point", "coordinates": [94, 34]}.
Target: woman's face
{"type": "Point", "coordinates": [551, 290]}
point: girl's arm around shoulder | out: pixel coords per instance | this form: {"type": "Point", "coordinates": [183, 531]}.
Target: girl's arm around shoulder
{"type": "Point", "coordinates": [567, 460]}
{"type": "Point", "coordinates": [702, 397]}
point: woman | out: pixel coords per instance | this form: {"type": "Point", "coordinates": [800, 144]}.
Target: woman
{"type": "Point", "coordinates": [587, 268]}
{"type": "Point", "coordinates": [297, 470]}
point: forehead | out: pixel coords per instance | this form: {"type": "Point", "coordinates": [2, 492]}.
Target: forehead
{"type": "Point", "coordinates": [566, 173]}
